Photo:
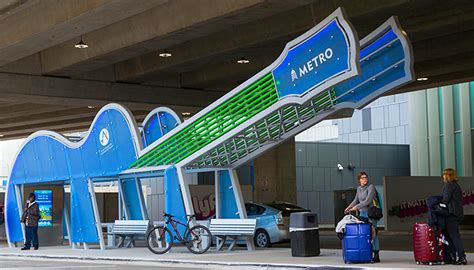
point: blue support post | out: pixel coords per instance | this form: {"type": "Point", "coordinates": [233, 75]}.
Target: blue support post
{"type": "Point", "coordinates": [227, 206]}
{"type": "Point", "coordinates": [132, 197]}
{"type": "Point", "coordinates": [174, 204]}
{"type": "Point", "coordinates": [83, 221]}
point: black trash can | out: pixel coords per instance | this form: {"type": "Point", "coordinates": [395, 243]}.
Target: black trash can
{"type": "Point", "coordinates": [304, 234]}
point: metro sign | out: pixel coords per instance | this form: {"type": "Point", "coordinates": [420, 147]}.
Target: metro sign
{"type": "Point", "coordinates": [318, 58]}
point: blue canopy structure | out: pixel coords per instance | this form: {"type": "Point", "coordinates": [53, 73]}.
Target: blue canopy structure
{"type": "Point", "coordinates": [319, 75]}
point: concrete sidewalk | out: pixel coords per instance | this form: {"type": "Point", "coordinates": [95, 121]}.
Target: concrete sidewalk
{"type": "Point", "coordinates": [271, 258]}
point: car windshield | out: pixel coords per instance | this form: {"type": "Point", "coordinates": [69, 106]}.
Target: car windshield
{"type": "Point", "coordinates": [287, 208]}
{"type": "Point", "coordinates": [253, 209]}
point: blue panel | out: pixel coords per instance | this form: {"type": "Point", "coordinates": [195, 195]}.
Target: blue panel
{"type": "Point", "coordinates": [12, 216]}
{"type": "Point", "coordinates": [228, 206]}
{"type": "Point", "coordinates": [152, 130]}
{"type": "Point", "coordinates": [168, 122]}
{"type": "Point", "coordinates": [30, 162]}
{"type": "Point", "coordinates": [76, 167]}
{"type": "Point", "coordinates": [106, 143]}
{"type": "Point", "coordinates": [59, 160]}
{"type": "Point", "coordinates": [317, 59]}
{"type": "Point", "coordinates": [157, 126]}
{"type": "Point", "coordinates": [90, 158]}
{"type": "Point", "coordinates": [83, 223]}
{"type": "Point", "coordinates": [379, 43]}
{"type": "Point", "coordinates": [174, 204]}
{"type": "Point", "coordinates": [45, 165]}
{"type": "Point", "coordinates": [107, 150]}
{"type": "Point", "coordinates": [379, 68]}
{"type": "Point", "coordinates": [18, 171]}
{"type": "Point", "coordinates": [132, 195]}
{"type": "Point", "coordinates": [122, 139]}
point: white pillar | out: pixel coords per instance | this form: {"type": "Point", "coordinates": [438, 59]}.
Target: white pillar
{"type": "Point", "coordinates": [66, 218]}
{"type": "Point", "coordinates": [465, 128]}
{"type": "Point", "coordinates": [239, 200]}
{"type": "Point", "coordinates": [448, 121]}
{"type": "Point", "coordinates": [433, 132]}
{"type": "Point", "coordinates": [419, 151]}
{"type": "Point", "coordinates": [96, 216]}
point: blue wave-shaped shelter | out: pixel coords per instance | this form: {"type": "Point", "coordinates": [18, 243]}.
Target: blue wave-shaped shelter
{"type": "Point", "coordinates": [110, 146]}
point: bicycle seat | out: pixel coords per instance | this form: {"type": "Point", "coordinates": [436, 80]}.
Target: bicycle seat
{"type": "Point", "coordinates": [167, 215]}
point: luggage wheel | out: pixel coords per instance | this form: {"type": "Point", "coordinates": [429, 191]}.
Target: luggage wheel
{"type": "Point", "coordinates": [430, 263]}
{"type": "Point", "coordinates": [417, 262]}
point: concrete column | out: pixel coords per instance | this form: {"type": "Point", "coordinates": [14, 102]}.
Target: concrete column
{"type": "Point", "coordinates": [275, 174]}
{"type": "Point", "coordinates": [433, 131]}
{"type": "Point", "coordinates": [419, 150]}
{"type": "Point", "coordinates": [448, 121]}
{"type": "Point", "coordinates": [465, 128]}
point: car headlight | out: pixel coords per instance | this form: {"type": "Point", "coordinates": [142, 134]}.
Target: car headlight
{"type": "Point", "coordinates": [279, 218]}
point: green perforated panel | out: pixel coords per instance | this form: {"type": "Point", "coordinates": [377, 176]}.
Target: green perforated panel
{"type": "Point", "coordinates": [263, 132]}
{"type": "Point", "coordinates": [222, 119]}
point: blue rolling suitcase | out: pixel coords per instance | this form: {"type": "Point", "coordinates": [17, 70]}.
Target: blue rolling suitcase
{"type": "Point", "coordinates": [357, 243]}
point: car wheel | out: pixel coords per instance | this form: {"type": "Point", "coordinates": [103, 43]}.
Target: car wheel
{"type": "Point", "coordinates": [262, 239]}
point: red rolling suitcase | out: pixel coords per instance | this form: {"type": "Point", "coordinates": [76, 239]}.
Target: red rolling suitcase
{"type": "Point", "coordinates": [427, 244]}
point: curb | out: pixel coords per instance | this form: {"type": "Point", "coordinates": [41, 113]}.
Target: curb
{"type": "Point", "coordinates": [186, 262]}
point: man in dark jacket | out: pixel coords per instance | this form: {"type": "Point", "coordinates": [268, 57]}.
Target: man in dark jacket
{"type": "Point", "coordinates": [452, 198]}
{"type": "Point", "coordinates": [30, 218]}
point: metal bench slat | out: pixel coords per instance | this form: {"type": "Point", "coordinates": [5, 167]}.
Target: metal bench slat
{"type": "Point", "coordinates": [234, 221]}
{"type": "Point", "coordinates": [130, 227]}
{"type": "Point", "coordinates": [233, 227]}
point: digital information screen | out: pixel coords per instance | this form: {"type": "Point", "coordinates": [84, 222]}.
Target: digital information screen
{"type": "Point", "coordinates": [44, 199]}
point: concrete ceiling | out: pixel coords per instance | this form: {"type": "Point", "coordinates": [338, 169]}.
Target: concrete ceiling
{"type": "Point", "coordinates": [46, 83]}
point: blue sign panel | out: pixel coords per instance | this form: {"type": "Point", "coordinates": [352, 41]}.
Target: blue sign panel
{"type": "Point", "coordinates": [317, 59]}
{"type": "Point", "coordinates": [44, 199]}
{"type": "Point", "coordinates": [386, 63]}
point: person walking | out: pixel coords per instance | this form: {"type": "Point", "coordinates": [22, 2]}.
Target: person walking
{"type": "Point", "coordinates": [30, 218]}
{"type": "Point", "coordinates": [452, 198]}
{"type": "Point", "coordinates": [365, 194]}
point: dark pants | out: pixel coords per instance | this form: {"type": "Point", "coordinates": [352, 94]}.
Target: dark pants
{"type": "Point", "coordinates": [31, 236]}
{"type": "Point", "coordinates": [454, 237]}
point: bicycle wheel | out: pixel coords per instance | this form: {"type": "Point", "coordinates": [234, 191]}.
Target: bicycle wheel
{"type": "Point", "coordinates": [198, 239]}
{"type": "Point", "coordinates": [159, 240]}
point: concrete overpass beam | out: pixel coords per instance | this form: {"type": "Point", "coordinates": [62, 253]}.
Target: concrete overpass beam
{"type": "Point", "coordinates": [49, 22]}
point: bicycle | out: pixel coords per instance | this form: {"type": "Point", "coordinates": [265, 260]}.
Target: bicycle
{"type": "Point", "coordinates": [197, 239]}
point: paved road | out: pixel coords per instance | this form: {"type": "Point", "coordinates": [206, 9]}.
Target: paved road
{"type": "Point", "coordinates": [28, 263]}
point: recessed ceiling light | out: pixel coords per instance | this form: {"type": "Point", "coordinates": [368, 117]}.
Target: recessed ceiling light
{"type": "Point", "coordinates": [422, 79]}
{"type": "Point", "coordinates": [81, 44]}
{"type": "Point", "coordinates": [91, 107]}
{"type": "Point", "coordinates": [1, 135]}
{"type": "Point", "coordinates": [186, 114]}
{"type": "Point", "coordinates": [243, 60]}
{"type": "Point", "coordinates": [165, 54]}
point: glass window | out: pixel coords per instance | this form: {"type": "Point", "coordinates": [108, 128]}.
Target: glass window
{"type": "Point", "coordinates": [253, 209]}
{"type": "Point", "coordinates": [366, 119]}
